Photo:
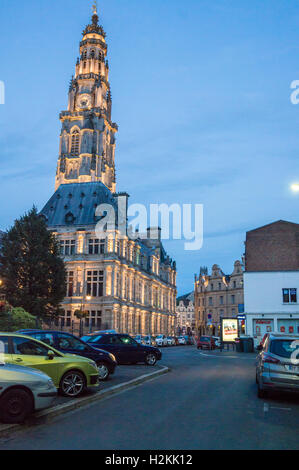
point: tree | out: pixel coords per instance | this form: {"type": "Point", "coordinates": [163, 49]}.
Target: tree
{"type": "Point", "coordinates": [32, 271]}
{"type": "Point", "coordinates": [16, 319]}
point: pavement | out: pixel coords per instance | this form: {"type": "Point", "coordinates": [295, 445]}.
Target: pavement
{"type": "Point", "coordinates": [207, 401]}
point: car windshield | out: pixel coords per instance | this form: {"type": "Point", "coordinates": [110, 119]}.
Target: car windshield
{"type": "Point", "coordinates": [283, 347]}
{"type": "Point", "coordinates": [204, 338]}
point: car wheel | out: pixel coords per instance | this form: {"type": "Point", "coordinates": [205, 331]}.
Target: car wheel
{"type": "Point", "coordinates": [103, 371]}
{"type": "Point", "coordinates": [15, 406]}
{"type": "Point", "coordinates": [151, 360]}
{"type": "Point", "coordinates": [72, 384]}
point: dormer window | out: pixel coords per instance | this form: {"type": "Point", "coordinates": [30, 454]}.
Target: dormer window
{"type": "Point", "coordinates": [69, 218]}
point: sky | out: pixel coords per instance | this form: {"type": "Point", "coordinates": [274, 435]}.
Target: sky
{"type": "Point", "coordinates": [201, 94]}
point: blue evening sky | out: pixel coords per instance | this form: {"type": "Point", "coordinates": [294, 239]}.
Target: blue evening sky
{"type": "Point", "coordinates": [201, 93]}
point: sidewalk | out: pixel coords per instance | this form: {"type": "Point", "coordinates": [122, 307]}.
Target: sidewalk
{"type": "Point", "coordinates": [124, 378]}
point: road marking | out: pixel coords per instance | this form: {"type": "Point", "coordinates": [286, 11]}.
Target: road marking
{"type": "Point", "coordinates": [280, 408]}
{"type": "Point", "coordinates": [266, 407]}
{"type": "Point", "coordinates": [221, 356]}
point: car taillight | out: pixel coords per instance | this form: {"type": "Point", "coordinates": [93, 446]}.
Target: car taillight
{"type": "Point", "coordinates": [269, 359]}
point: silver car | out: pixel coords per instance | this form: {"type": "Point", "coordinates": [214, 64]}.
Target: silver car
{"type": "Point", "coordinates": [277, 367]}
{"type": "Point", "coordinates": [22, 391]}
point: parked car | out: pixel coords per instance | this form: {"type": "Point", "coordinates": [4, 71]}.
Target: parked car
{"type": "Point", "coordinates": [148, 340]}
{"type": "Point", "coordinates": [277, 367]}
{"type": "Point", "coordinates": [139, 339]}
{"type": "Point", "coordinates": [217, 341]}
{"type": "Point", "coordinates": [189, 340]}
{"type": "Point", "coordinates": [70, 374]}
{"type": "Point", "coordinates": [22, 391]}
{"type": "Point", "coordinates": [170, 341]}
{"type": "Point", "coordinates": [125, 349]}
{"type": "Point", "coordinates": [206, 342]}
{"type": "Point", "coordinates": [182, 340]}
{"type": "Point", "coordinates": [161, 341]}
{"type": "Point", "coordinates": [70, 344]}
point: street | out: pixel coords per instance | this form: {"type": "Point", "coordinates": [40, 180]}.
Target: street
{"type": "Point", "coordinates": [207, 401]}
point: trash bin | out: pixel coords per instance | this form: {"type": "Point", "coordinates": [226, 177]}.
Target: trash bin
{"type": "Point", "coordinates": [248, 345]}
{"type": "Point", "coordinates": [239, 345]}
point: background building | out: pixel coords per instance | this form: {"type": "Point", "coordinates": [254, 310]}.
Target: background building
{"type": "Point", "coordinates": [123, 284]}
{"type": "Point", "coordinates": [185, 313]}
{"type": "Point", "coordinates": [271, 279]}
{"type": "Point", "coordinates": [217, 295]}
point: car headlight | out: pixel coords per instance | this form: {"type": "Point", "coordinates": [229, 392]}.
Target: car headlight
{"type": "Point", "coordinates": [112, 357]}
{"type": "Point", "coordinates": [50, 384]}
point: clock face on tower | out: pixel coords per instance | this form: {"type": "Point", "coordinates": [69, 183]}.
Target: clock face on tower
{"type": "Point", "coordinates": [84, 101]}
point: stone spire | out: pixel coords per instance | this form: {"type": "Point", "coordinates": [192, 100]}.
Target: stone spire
{"type": "Point", "coordinates": [87, 141]}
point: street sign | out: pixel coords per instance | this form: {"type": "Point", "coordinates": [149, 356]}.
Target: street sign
{"type": "Point", "coordinates": [241, 317]}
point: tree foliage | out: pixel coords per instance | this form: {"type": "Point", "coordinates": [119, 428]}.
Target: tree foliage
{"type": "Point", "coordinates": [16, 319]}
{"type": "Point", "coordinates": [31, 268]}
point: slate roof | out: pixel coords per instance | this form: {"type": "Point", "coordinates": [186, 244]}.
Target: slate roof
{"type": "Point", "coordinates": [186, 299]}
{"type": "Point", "coordinates": [75, 204]}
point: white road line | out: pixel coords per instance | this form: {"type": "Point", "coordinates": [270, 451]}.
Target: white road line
{"type": "Point", "coordinates": [266, 407]}
{"type": "Point", "coordinates": [229, 357]}
{"type": "Point", "coordinates": [280, 408]}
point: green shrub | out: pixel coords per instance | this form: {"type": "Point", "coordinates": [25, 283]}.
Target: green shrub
{"type": "Point", "coordinates": [16, 319]}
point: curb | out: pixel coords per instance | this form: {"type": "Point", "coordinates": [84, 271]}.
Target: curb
{"type": "Point", "coordinates": [46, 415]}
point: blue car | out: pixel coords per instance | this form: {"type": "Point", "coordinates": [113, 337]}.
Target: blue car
{"type": "Point", "coordinates": [70, 344]}
{"type": "Point", "coordinates": [124, 348]}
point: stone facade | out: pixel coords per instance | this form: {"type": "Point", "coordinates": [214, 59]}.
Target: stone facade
{"type": "Point", "coordinates": [217, 295]}
{"type": "Point", "coordinates": [124, 283]}
{"type": "Point", "coordinates": [185, 313]}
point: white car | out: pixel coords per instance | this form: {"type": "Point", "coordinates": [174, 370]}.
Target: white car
{"type": "Point", "coordinates": [217, 341]}
{"type": "Point", "coordinates": [139, 339]}
{"type": "Point", "coordinates": [161, 341]}
{"type": "Point", "coordinates": [22, 391]}
{"type": "Point", "coordinates": [148, 340]}
{"type": "Point", "coordinates": [182, 340]}
{"type": "Point", "coordinates": [170, 341]}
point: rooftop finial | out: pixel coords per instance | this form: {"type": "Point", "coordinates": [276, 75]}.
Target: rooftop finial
{"type": "Point", "coordinates": [95, 8]}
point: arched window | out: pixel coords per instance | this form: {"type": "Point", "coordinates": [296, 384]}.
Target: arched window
{"type": "Point", "coordinates": [75, 143]}
{"type": "Point", "coordinates": [92, 54]}
{"type": "Point", "coordinates": [85, 55]}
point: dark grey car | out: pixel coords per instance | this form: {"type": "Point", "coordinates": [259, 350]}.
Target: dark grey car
{"type": "Point", "coordinates": [277, 365]}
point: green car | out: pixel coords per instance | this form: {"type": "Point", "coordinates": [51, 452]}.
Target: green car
{"type": "Point", "coordinates": [71, 374]}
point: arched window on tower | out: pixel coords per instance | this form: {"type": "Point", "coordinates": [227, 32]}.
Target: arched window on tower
{"type": "Point", "coordinates": [92, 54]}
{"type": "Point", "coordinates": [85, 55]}
{"type": "Point", "coordinates": [75, 143]}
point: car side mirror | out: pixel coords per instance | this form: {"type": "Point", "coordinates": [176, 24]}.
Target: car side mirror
{"type": "Point", "coordinates": [51, 355]}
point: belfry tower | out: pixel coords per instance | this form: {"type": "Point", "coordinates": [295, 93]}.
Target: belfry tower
{"type": "Point", "coordinates": [123, 284]}
{"type": "Point", "coordinates": [87, 140]}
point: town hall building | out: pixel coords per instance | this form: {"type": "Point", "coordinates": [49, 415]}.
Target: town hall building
{"type": "Point", "coordinates": [124, 283]}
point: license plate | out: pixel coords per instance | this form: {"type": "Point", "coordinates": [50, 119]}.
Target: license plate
{"type": "Point", "coordinates": [291, 368]}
